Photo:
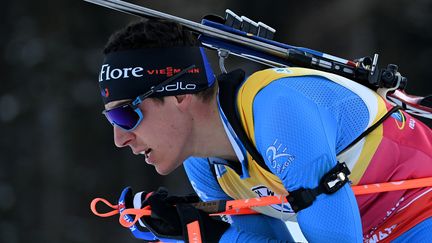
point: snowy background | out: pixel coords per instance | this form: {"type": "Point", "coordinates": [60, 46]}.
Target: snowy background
{"type": "Point", "coordinates": [56, 150]}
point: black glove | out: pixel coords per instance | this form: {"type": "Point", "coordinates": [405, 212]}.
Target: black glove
{"type": "Point", "coordinates": [126, 201]}
{"type": "Point", "coordinates": [173, 217]}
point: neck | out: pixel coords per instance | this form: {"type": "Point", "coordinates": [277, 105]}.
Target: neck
{"type": "Point", "coordinates": [211, 139]}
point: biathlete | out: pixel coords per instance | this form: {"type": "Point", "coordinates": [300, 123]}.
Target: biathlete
{"type": "Point", "coordinates": [279, 131]}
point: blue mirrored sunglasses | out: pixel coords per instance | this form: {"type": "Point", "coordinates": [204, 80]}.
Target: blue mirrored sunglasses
{"type": "Point", "coordinates": [128, 116]}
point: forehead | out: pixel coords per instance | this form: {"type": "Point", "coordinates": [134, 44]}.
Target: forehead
{"type": "Point", "coordinates": [116, 103]}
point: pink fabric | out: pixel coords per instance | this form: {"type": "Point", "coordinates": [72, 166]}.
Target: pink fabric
{"type": "Point", "coordinates": [402, 154]}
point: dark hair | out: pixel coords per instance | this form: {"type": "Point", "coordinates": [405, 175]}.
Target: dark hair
{"type": "Point", "coordinates": [153, 34]}
{"type": "Point", "coordinates": [150, 34]}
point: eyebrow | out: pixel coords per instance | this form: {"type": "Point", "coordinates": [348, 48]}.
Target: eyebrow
{"type": "Point", "coordinates": [117, 104]}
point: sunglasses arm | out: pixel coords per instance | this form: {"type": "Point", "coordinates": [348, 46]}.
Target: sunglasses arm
{"type": "Point", "coordinates": [140, 98]}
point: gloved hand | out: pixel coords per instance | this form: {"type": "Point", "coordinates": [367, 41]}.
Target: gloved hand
{"type": "Point", "coordinates": [172, 217]}
{"type": "Point", "coordinates": [139, 230]}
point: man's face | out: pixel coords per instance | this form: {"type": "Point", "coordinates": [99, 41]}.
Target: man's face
{"type": "Point", "coordinates": [161, 137]}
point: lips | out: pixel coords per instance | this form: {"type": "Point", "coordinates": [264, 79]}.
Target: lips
{"type": "Point", "coordinates": [147, 155]}
{"type": "Point", "coordinates": [145, 152]}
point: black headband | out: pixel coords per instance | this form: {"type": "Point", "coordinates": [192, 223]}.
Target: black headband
{"type": "Point", "coordinates": [128, 74]}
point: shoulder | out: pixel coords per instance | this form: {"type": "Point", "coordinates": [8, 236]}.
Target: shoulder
{"type": "Point", "coordinates": [197, 168]}
{"type": "Point", "coordinates": [203, 180]}
{"type": "Point", "coordinates": [317, 85]}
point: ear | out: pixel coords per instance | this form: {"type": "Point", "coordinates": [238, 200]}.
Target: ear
{"type": "Point", "coordinates": [183, 101]}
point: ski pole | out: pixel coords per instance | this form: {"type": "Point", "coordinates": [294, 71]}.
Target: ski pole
{"type": "Point", "coordinates": [244, 206]}
{"type": "Point", "coordinates": [392, 186]}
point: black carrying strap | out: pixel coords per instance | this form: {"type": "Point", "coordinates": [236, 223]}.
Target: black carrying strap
{"type": "Point", "coordinates": [371, 128]}
{"type": "Point", "coordinates": [228, 87]}
{"type": "Point", "coordinates": [233, 165]}
{"type": "Point", "coordinates": [229, 84]}
{"type": "Point", "coordinates": [330, 183]}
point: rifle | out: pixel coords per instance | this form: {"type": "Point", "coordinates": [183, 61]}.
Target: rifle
{"type": "Point", "coordinates": [252, 40]}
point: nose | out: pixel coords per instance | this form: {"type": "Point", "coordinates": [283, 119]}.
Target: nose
{"type": "Point", "coordinates": [121, 137]}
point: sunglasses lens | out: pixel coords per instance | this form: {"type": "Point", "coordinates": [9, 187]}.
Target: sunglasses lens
{"type": "Point", "coordinates": [124, 117]}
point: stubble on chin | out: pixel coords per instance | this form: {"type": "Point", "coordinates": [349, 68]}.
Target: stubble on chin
{"type": "Point", "coordinates": [167, 170]}
{"type": "Point", "coordinates": [163, 171]}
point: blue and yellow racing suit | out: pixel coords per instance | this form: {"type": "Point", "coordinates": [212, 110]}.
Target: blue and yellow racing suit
{"type": "Point", "coordinates": [300, 120]}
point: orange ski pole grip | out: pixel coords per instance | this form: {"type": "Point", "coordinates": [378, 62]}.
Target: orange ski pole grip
{"type": "Point", "coordinates": [107, 214]}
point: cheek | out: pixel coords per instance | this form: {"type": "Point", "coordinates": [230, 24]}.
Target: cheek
{"type": "Point", "coordinates": [176, 132]}
{"type": "Point", "coordinates": [167, 128]}
{"type": "Point", "coordinates": [176, 137]}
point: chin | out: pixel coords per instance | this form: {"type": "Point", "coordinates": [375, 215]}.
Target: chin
{"type": "Point", "coordinates": [166, 168]}
{"type": "Point", "coordinates": [163, 171]}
